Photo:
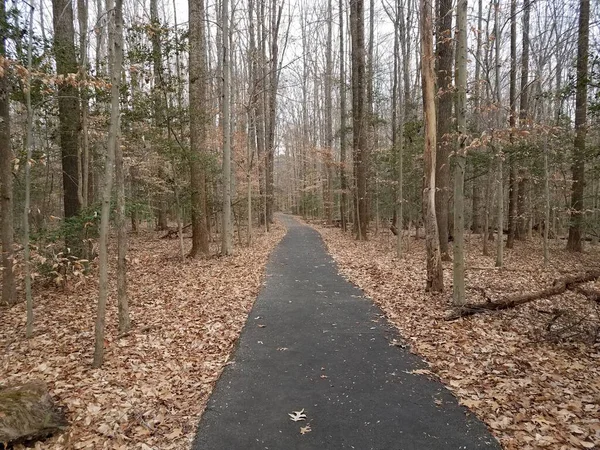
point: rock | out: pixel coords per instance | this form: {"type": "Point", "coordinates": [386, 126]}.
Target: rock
{"type": "Point", "coordinates": [28, 413]}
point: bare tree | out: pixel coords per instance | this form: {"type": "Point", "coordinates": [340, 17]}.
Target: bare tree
{"type": "Point", "coordinates": [444, 49]}
{"type": "Point", "coordinates": [578, 164]}
{"type": "Point", "coordinates": [198, 91]}
{"type": "Point", "coordinates": [343, 179]}
{"type": "Point", "coordinates": [460, 160]}
{"type": "Point", "coordinates": [226, 245]}
{"type": "Point", "coordinates": [359, 135]}
{"type": "Point", "coordinates": [435, 278]}
{"type": "Point", "coordinates": [68, 108]}
{"type": "Point", "coordinates": [115, 51]}
{"type": "Point", "coordinates": [6, 175]}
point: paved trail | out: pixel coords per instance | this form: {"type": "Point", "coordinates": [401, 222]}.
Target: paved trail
{"type": "Point", "coordinates": [313, 342]}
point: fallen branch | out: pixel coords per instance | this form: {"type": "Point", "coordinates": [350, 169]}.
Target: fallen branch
{"type": "Point", "coordinates": [173, 233]}
{"type": "Point", "coordinates": [590, 294]}
{"type": "Point", "coordinates": [558, 287]}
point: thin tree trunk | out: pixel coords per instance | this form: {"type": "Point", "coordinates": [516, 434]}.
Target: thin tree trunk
{"type": "Point", "coordinates": [116, 63]}
{"type": "Point", "coordinates": [547, 203]}
{"type": "Point", "coordinates": [512, 181]}
{"type": "Point", "coordinates": [29, 146]}
{"type": "Point", "coordinates": [6, 179]}
{"type": "Point", "coordinates": [435, 278]}
{"type": "Point", "coordinates": [82, 13]}
{"type": "Point", "coordinates": [121, 217]}
{"type": "Point", "coordinates": [343, 180]}
{"type": "Point", "coordinates": [497, 146]}
{"type": "Point", "coordinates": [226, 245]}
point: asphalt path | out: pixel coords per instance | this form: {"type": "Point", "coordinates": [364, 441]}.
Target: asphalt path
{"type": "Point", "coordinates": [314, 343]}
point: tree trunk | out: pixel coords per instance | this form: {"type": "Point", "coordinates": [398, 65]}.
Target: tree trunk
{"type": "Point", "coordinates": [328, 115]}
{"type": "Point", "coordinates": [199, 119]}
{"type": "Point", "coordinates": [512, 178]}
{"type": "Point", "coordinates": [226, 244]}
{"type": "Point", "coordinates": [578, 164]}
{"type": "Point", "coordinates": [460, 161]}
{"type": "Point", "coordinates": [115, 51]}
{"type": "Point", "coordinates": [29, 147]}
{"type": "Point", "coordinates": [68, 109]}
{"type": "Point", "coordinates": [444, 120]}
{"type": "Point", "coordinates": [498, 146]}
{"type": "Point", "coordinates": [359, 135]}
{"type": "Point", "coordinates": [435, 276]}
{"type": "Point", "coordinates": [6, 176]}
{"type": "Point", "coordinates": [343, 180]}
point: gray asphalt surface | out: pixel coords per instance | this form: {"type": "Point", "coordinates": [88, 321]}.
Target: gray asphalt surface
{"type": "Point", "coordinates": [314, 343]}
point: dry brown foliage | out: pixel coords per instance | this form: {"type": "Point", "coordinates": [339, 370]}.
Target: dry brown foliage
{"type": "Point", "coordinates": [156, 379]}
{"type": "Point", "coordinates": [532, 373]}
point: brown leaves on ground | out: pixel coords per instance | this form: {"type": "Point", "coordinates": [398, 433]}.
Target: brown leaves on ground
{"type": "Point", "coordinates": [156, 379]}
{"type": "Point", "coordinates": [531, 373]}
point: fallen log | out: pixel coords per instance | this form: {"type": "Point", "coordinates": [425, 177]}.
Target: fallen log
{"type": "Point", "coordinates": [174, 232]}
{"type": "Point", "coordinates": [28, 413]}
{"type": "Point", "coordinates": [558, 287]}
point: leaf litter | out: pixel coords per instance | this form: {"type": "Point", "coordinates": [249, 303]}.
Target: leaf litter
{"type": "Point", "coordinates": [156, 379]}
{"type": "Point", "coordinates": [531, 373]}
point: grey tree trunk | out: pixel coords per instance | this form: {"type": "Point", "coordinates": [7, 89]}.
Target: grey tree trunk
{"type": "Point", "coordinates": [115, 51]}
{"type": "Point", "coordinates": [226, 244]}
{"type": "Point", "coordinates": [458, 293]}
{"type": "Point", "coordinates": [498, 146]}
{"type": "Point", "coordinates": [29, 146]}
{"type": "Point", "coordinates": [343, 180]}
{"type": "Point", "coordinates": [6, 177]}
{"type": "Point", "coordinates": [512, 181]}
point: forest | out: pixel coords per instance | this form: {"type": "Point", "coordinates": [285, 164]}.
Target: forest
{"type": "Point", "coordinates": [447, 151]}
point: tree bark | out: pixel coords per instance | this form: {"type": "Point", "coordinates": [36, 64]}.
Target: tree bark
{"type": "Point", "coordinates": [198, 91]}
{"type": "Point", "coordinates": [115, 51]}
{"type": "Point", "coordinates": [6, 175]}
{"type": "Point", "coordinates": [359, 135]}
{"type": "Point", "coordinates": [461, 157]}
{"type": "Point", "coordinates": [512, 181]}
{"type": "Point", "coordinates": [578, 165]}
{"type": "Point", "coordinates": [68, 108]}
{"type": "Point", "coordinates": [444, 120]}
{"type": "Point", "coordinates": [435, 278]}
{"type": "Point", "coordinates": [343, 180]}
{"type": "Point", "coordinates": [226, 244]}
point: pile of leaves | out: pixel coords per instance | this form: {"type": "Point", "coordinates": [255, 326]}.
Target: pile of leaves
{"type": "Point", "coordinates": [531, 373]}
{"type": "Point", "coordinates": [156, 379]}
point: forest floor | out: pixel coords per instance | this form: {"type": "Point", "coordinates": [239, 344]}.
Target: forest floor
{"type": "Point", "coordinates": [156, 379]}
{"type": "Point", "coordinates": [531, 373]}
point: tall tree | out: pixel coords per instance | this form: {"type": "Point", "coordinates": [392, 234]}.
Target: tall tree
{"type": "Point", "coordinates": [6, 181]}
{"type": "Point", "coordinates": [444, 121]}
{"type": "Point", "coordinates": [343, 179]}
{"type": "Point", "coordinates": [578, 164]}
{"type": "Point", "coordinates": [521, 223]}
{"type": "Point", "coordinates": [329, 115]}
{"type": "Point", "coordinates": [460, 160]}
{"type": "Point", "coordinates": [226, 246]}
{"type": "Point", "coordinates": [115, 52]}
{"type": "Point", "coordinates": [512, 122]}
{"type": "Point", "coordinates": [68, 106]}
{"type": "Point", "coordinates": [199, 118]}
{"type": "Point", "coordinates": [435, 276]}
{"type": "Point", "coordinates": [359, 135]}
